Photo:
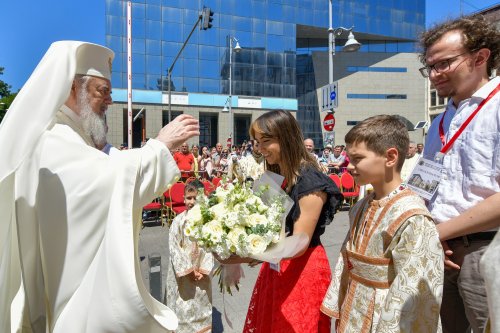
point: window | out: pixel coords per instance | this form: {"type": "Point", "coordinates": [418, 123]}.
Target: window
{"type": "Point", "coordinates": [208, 129]}
{"type": "Point", "coordinates": [376, 96]}
{"type": "Point", "coordinates": [164, 116]}
{"type": "Point", "coordinates": [377, 69]}
{"type": "Point", "coordinates": [433, 98]}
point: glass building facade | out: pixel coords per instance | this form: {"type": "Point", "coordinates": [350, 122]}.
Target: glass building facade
{"type": "Point", "coordinates": [277, 38]}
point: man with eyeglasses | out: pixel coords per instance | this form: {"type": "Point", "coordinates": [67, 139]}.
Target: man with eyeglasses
{"type": "Point", "coordinates": [460, 57]}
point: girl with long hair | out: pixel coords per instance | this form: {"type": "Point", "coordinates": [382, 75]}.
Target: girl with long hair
{"type": "Point", "coordinates": [287, 297]}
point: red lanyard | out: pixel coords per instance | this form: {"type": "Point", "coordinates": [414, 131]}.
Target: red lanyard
{"type": "Point", "coordinates": [441, 129]}
{"type": "Point", "coordinates": [448, 145]}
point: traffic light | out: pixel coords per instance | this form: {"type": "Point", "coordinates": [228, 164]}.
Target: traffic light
{"type": "Point", "coordinates": [208, 17]}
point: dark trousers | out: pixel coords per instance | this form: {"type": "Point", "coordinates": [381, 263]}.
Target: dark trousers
{"type": "Point", "coordinates": [464, 305]}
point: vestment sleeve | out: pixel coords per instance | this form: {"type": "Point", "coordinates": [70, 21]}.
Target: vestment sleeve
{"type": "Point", "coordinates": [414, 298]}
{"type": "Point", "coordinates": [154, 173]}
{"type": "Point", "coordinates": [336, 291]}
{"type": "Point", "coordinates": [206, 262]}
{"type": "Point", "coordinates": [179, 249]}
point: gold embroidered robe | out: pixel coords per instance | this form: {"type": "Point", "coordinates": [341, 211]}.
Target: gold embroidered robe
{"type": "Point", "coordinates": [389, 277]}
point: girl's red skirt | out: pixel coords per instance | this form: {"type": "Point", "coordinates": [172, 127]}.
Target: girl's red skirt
{"type": "Point", "coordinates": [289, 300]}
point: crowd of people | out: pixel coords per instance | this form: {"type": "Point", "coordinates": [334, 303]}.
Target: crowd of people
{"type": "Point", "coordinates": [70, 213]}
{"type": "Point", "coordinates": [218, 161]}
{"type": "Point", "coordinates": [212, 162]}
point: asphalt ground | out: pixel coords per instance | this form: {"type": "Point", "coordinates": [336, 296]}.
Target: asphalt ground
{"type": "Point", "coordinates": [153, 251]}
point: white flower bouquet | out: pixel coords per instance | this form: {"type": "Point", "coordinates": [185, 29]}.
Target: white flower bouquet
{"type": "Point", "coordinates": [238, 219]}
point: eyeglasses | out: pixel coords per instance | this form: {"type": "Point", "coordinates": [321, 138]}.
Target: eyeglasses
{"type": "Point", "coordinates": [440, 66]}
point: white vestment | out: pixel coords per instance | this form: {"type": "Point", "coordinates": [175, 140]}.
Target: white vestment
{"type": "Point", "coordinates": [81, 206]}
{"type": "Point", "coordinates": [70, 216]}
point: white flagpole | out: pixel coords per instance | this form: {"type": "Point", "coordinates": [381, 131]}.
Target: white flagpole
{"type": "Point", "coordinates": [129, 71]}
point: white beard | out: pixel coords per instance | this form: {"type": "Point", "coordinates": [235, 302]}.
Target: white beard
{"type": "Point", "coordinates": [93, 124]}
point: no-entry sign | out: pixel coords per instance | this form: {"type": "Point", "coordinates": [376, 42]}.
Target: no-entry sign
{"type": "Point", "coordinates": [329, 122]}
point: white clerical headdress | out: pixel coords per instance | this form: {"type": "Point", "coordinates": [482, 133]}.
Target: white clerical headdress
{"type": "Point", "coordinates": [95, 60]}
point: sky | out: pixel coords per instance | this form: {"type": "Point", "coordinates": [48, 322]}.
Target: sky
{"type": "Point", "coordinates": [30, 26]}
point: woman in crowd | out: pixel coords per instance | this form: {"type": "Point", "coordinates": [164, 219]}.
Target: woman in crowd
{"type": "Point", "coordinates": [222, 167]}
{"type": "Point", "coordinates": [195, 151]}
{"type": "Point", "coordinates": [206, 163]}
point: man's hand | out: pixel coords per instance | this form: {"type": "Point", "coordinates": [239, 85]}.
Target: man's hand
{"type": "Point", "coordinates": [178, 131]}
{"type": "Point", "coordinates": [448, 263]}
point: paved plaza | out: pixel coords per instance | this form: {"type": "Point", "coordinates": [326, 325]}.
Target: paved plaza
{"type": "Point", "coordinates": [154, 245]}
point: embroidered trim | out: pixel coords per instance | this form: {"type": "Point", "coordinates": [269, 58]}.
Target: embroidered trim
{"type": "Point", "coordinates": [386, 208]}
{"type": "Point", "coordinates": [391, 230]}
{"type": "Point", "coordinates": [367, 323]}
{"type": "Point", "coordinates": [328, 312]}
{"type": "Point", "coordinates": [344, 316]}
{"type": "Point", "coordinates": [205, 329]}
{"type": "Point", "coordinates": [370, 283]}
{"type": "Point", "coordinates": [369, 260]}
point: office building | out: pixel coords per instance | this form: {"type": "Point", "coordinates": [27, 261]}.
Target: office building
{"type": "Point", "coordinates": [282, 63]}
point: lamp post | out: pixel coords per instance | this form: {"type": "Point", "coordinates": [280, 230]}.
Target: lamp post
{"type": "Point", "coordinates": [352, 45]}
{"type": "Point", "coordinates": [232, 48]}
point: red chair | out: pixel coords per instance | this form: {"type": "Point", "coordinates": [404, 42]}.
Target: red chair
{"type": "Point", "coordinates": [190, 179]}
{"type": "Point", "coordinates": [153, 211]}
{"type": "Point", "coordinates": [216, 181]}
{"type": "Point", "coordinates": [336, 179]}
{"type": "Point", "coordinates": [175, 198]}
{"type": "Point", "coordinates": [209, 187]}
{"type": "Point", "coordinates": [349, 188]}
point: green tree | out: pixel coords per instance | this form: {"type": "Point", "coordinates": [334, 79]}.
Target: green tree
{"type": "Point", "coordinates": [6, 97]}
{"type": "Point", "coordinates": [4, 87]}
{"type": "Point", "coordinates": [5, 104]}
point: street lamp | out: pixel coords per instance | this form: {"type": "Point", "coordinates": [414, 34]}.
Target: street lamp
{"type": "Point", "coordinates": [352, 45]}
{"type": "Point", "coordinates": [232, 48]}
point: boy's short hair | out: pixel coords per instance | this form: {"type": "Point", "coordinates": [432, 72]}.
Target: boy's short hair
{"type": "Point", "coordinates": [380, 133]}
{"type": "Point", "coordinates": [193, 186]}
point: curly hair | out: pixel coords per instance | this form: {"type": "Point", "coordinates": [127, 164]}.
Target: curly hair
{"type": "Point", "coordinates": [477, 33]}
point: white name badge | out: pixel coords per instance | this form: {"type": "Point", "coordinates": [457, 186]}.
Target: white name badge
{"type": "Point", "coordinates": [425, 178]}
{"type": "Point", "coordinates": [275, 267]}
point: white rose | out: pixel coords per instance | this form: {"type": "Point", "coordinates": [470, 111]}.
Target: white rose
{"type": "Point", "coordinates": [255, 219]}
{"type": "Point", "coordinates": [218, 210]}
{"type": "Point", "coordinates": [256, 244]}
{"type": "Point", "coordinates": [213, 231]}
{"type": "Point", "coordinates": [231, 220]}
{"type": "Point", "coordinates": [254, 201]}
{"type": "Point", "coordinates": [233, 238]}
{"type": "Point", "coordinates": [221, 193]}
{"type": "Point", "coordinates": [194, 215]}
{"type": "Point", "coordinates": [262, 208]}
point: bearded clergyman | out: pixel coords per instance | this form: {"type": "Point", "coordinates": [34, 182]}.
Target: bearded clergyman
{"type": "Point", "coordinates": [69, 213]}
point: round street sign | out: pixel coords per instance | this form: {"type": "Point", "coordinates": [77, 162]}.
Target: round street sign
{"type": "Point", "coordinates": [333, 95]}
{"type": "Point", "coordinates": [329, 122]}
